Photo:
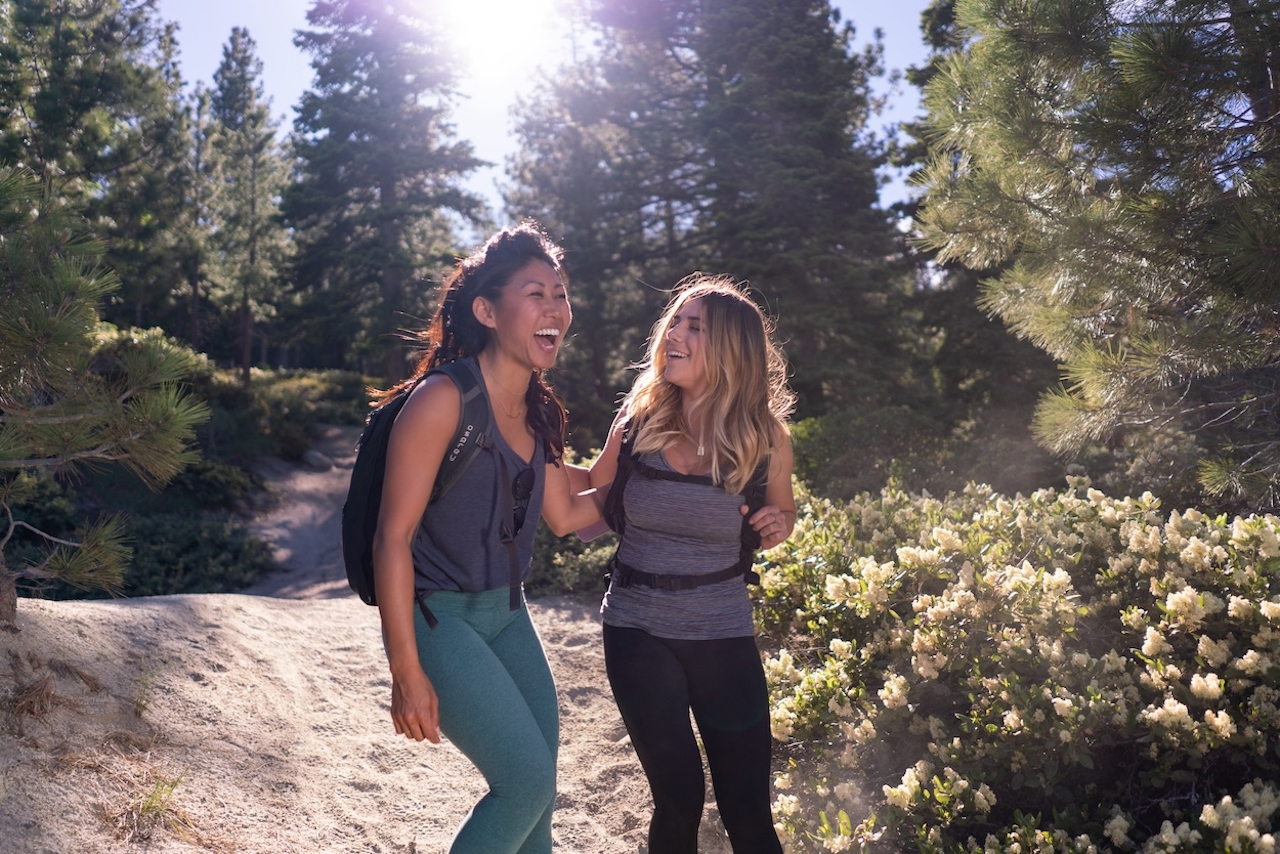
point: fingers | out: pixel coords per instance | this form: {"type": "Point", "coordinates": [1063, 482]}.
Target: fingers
{"type": "Point", "coordinates": [771, 524]}
{"type": "Point", "coordinates": [415, 711]}
{"type": "Point", "coordinates": [419, 727]}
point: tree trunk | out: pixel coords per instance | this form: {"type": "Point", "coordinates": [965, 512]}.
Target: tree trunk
{"type": "Point", "coordinates": [246, 339]}
{"type": "Point", "coordinates": [8, 598]}
{"type": "Point", "coordinates": [393, 276]}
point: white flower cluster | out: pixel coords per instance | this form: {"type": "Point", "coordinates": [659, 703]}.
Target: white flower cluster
{"type": "Point", "coordinates": [1061, 642]}
{"type": "Point", "coordinates": [1245, 825]}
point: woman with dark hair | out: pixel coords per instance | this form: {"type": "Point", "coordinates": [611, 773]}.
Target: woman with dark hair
{"type": "Point", "coordinates": [699, 467]}
{"type": "Point", "coordinates": [465, 659]}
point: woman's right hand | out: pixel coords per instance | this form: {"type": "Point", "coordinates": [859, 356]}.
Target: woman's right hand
{"type": "Point", "coordinates": [418, 442]}
{"type": "Point", "coordinates": [414, 708]}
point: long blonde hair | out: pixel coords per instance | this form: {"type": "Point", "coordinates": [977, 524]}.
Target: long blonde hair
{"type": "Point", "coordinates": [747, 401]}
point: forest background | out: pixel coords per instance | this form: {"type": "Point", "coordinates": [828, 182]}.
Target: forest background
{"type": "Point", "coordinates": [1085, 288]}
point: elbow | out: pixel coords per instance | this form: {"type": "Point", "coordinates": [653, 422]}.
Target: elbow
{"type": "Point", "coordinates": [559, 529]}
{"type": "Point", "coordinates": [384, 546]}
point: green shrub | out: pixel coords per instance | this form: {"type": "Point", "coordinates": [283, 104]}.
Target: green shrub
{"type": "Point", "coordinates": [184, 554]}
{"type": "Point", "coordinates": [277, 414]}
{"type": "Point", "coordinates": [1060, 672]}
{"type": "Point", "coordinates": [176, 553]}
{"type": "Point", "coordinates": [567, 565]}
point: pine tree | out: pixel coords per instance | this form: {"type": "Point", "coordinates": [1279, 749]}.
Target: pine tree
{"type": "Point", "coordinates": [252, 172]}
{"type": "Point", "coordinates": [977, 380]}
{"type": "Point", "coordinates": [198, 220]}
{"type": "Point", "coordinates": [1122, 161]}
{"type": "Point", "coordinates": [728, 137]}
{"type": "Point", "coordinates": [74, 391]}
{"type": "Point", "coordinates": [378, 172]}
{"type": "Point", "coordinates": [90, 101]}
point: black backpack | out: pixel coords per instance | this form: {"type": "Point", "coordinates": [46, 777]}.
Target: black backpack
{"type": "Point", "coordinates": [364, 496]}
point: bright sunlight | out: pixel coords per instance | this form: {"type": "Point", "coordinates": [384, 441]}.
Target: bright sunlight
{"type": "Point", "coordinates": [502, 42]}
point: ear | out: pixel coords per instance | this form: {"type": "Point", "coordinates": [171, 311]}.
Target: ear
{"type": "Point", "coordinates": [483, 311]}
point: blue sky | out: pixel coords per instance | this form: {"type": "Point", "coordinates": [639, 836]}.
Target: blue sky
{"type": "Point", "coordinates": [522, 32]}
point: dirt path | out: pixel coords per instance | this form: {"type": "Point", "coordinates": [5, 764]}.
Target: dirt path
{"type": "Point", "coordinates": [257, 723]}
{"type": "Point", "coordinates": [305, 522]}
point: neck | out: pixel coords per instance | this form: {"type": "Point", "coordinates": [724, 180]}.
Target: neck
{"type": "Point", "coordinates": [507, 382]}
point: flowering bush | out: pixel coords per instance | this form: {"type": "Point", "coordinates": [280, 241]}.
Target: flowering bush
{"type": "Point", "coordinates": [1059, 672]}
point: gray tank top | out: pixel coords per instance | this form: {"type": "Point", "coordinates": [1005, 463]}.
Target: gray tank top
{"type": "Point", "coordinates": [676, 528]}
{"type": "Point", "coordinates": [457, 545]}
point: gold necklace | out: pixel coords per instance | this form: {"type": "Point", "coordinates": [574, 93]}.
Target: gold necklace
{"type": "Point", "coordinates": [521, 408]}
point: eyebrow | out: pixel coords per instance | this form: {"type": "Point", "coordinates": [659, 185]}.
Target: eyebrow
{"type": "Point", "coordinates": [540, 283]}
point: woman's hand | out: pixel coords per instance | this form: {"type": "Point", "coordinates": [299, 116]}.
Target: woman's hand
{"type": "Point", "coordinates": [772, 523]}
{"type": "Point", "coordinates": [414, 708]}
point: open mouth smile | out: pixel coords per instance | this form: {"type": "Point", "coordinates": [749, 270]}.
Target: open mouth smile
{"type": "Point", "coordinates": [548, 337]}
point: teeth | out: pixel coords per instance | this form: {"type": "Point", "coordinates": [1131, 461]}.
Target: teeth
{"type": "Point", "coordinates": [672, 354]}
{"type": "Point", "coordinates": [550, 331]}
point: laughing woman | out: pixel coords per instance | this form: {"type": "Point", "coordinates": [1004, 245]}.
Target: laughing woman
{"type": "Point", "coordinates": [464, 657]}
{"type": "Point", "coordinates": [700, 436]}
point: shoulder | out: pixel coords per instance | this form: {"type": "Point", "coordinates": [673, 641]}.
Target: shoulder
{"type": "Point", "coordinates": [620, 430]}
{"type": "Point", "coordinates": [780, 435]}
{"type": "Point", "coordinates": [436, 402]}
{"type": "Point", "coordinates": [780, 453]}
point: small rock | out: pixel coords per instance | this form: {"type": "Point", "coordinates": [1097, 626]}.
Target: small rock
{"type": "Point", "coordinates": [316, 460]}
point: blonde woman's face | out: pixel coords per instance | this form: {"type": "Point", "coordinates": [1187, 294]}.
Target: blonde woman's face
{"type": "Point", "coordinates": [686, 366]}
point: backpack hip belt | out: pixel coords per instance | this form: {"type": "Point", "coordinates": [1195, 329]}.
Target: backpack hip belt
{"type": "Point", "coordinates": [625, 575]}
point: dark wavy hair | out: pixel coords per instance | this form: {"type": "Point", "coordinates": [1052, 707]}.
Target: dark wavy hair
{"type": "Point", "coordinates": [454, 332]}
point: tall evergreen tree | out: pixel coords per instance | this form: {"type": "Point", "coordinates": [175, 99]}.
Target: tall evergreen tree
{"type": "Point", "coordinates": [1122, 159]}
{"type": "Point", "coordinates": [378, 170]}
{"type": "Point", "coordinates": [976, 379]}
{"type": "Point", "coordinates": [792, 193]}
{"type": "Point", "coordinates": [72, 390]}
{"type": "Point", "coordinates": [198, 223]}
{"type": "Point", "coordinates": [252, 174]}
{"type": "Point", "coordinates": [725, 136]}
{"type": "Point", "coordinates": [90, 101]}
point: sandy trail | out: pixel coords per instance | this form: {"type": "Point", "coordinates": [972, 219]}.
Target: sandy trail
{"type": "Point", "coordinates": [257, 723]}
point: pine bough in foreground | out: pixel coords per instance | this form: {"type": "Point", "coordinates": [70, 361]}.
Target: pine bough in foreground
{"type": "Point", "coordinates": [1061, 672]}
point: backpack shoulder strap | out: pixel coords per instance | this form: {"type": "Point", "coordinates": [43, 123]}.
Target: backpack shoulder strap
{"type": "Point", "coordinates": [614, 515]}
{"type": "Point", "coordinates": [754, 496]}
{"type": "Point", "coordinates": [472, 432]}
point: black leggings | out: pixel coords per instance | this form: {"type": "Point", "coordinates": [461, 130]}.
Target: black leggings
{"type": "Point", "coordinates": [656, 681]}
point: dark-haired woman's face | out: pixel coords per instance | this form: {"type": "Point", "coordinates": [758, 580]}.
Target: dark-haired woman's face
{"type": "Point", "coordinates": [532, 315]}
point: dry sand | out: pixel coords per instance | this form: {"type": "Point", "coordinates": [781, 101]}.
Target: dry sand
{"type": "Point", "coordinates": [257, 723]}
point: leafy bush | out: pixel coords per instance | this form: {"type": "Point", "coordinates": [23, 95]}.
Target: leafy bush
{"type": "Point", "coordinates": [208, 484]}
{"type": "Point", "coordinates": [173, 553]}
{"type": "Point", "coordinates": [567, 565]}
{"type": "Point", "coordinates": [1059, 672]}
{"type": "Point", "coordinates": [278, 412]}
{"type": "Point", "coordinates": [182, 554]}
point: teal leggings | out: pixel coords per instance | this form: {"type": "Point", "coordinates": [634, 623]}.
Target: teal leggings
{"type": "Point", "coordinates": [498, 706]}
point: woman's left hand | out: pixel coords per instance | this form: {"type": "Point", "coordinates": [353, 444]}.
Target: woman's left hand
{"type": "Point", "coordinates": [772, 523]}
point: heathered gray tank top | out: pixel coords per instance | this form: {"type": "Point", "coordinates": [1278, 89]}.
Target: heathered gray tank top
{"type": "Point", "coordinates": [678, 528]}
{"type": "Point", "coordinates": [457, 545]}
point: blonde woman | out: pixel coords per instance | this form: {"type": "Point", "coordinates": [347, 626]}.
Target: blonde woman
{"type": "Point", "coordinates": [699, 462]}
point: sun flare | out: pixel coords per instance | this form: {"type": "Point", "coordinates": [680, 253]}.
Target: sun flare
{"type": "Point", "coordinates": [501, 43]}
